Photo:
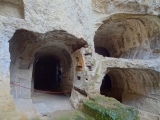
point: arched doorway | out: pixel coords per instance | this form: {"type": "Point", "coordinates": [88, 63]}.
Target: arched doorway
{"type": "Point", "coordinates": [38, 63]}
{"type": "Point", "coordinates": [113, 85]}
{"type": "Point", "coordinates": [52, 70]}
{"type": "Point", "coordinates": [52, 79]}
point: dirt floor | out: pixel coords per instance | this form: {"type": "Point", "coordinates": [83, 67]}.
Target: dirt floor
{"type": "Point", "coordinates": [46, 104]}
{"type": "Point", "coordinates": [43, 104]}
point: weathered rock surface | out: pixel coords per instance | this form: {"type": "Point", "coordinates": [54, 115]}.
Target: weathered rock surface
{"type": "Point", "coordinates": [128, 29]}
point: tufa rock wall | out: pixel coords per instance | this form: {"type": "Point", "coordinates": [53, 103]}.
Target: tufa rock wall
{"type": "Point", "coordinates": [129, 30]}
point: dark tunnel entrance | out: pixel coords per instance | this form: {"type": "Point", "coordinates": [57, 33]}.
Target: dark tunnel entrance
{"type": "Point", "coordinates": [106, 86]}
{"type": "Point", "coordinates": [47, 74]}
{"type": "Point", "coordinates": [102, 51]}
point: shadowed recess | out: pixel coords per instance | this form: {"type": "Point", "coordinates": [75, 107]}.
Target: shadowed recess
{"type": "Point", "coordinates": [47, 74]}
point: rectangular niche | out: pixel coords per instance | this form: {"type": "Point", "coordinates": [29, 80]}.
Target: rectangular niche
{"type": "Point", "coordinates": [12, 8]}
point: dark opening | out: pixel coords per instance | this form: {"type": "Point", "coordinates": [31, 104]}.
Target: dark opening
{"type": "Point", "coordinates": [47, 74]}
{"type": "Point", "coordinates": [106, 86]}
{"type": "Point", "coordinates": [102, 51]}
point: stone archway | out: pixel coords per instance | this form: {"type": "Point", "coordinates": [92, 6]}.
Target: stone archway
{"type": "Point", "coordinates": [62, 70]}
{"type": "Point", "coordinates": [28, 49]}
{"type": "Point", "coordinates": [134, 87]}
{"type": "Point", "coordinates": [26, 45]}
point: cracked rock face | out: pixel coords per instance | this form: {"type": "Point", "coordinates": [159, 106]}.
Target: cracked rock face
{"type": "Point", "coordinates": [70, 30]}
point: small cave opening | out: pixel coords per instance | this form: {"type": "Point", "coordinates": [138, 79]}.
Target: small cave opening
{"type": "Point", "coordinates": [112, 85]}
{"type": "Point", "coordinates": [129, 85]}
{"type": "Point", "coordinates": [102, 51]}
{"type": "Point", "coordinates": [47, 74]}
{"type": "Point", "coordinates": [106, 86]}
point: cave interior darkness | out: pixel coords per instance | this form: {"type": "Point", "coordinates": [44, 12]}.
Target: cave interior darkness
{"type": "Point", "coordinates": [47, 74]}
{"type": "Point", "coordinates": [102, 51]}
{"type": "Point", "coordinates": [106, 86]}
